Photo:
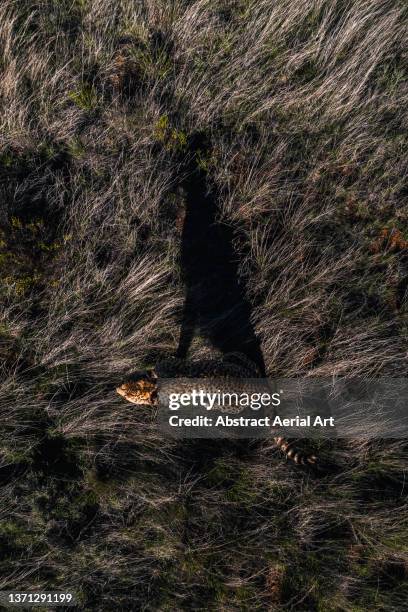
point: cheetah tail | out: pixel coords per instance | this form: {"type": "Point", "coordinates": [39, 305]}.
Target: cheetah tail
{"type": "Point", "coordinates": [294, 453]}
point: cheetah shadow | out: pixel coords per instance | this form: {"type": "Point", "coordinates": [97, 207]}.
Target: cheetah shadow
{"type": "Point", "coordinates": [216, 306]}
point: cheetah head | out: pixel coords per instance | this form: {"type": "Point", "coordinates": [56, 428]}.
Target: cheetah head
{"type": "Point", "coordinates": [141, 390]}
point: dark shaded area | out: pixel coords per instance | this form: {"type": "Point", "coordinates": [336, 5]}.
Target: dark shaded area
{"type": "Point", "coordinates": [215, 304]}
{"type": "Point", "coordinates": [12, 471]}
{"type": "Point", "coordinates": [53, 456]}
{"type": "Point", "coordinates": [34, 171]}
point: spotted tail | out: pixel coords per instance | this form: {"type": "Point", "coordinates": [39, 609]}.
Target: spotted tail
{"type": "Point", "coordinates": [292, 452]}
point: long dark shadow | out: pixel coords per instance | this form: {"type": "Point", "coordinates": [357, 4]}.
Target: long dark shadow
{"type": "Point", "coordinates": [215, 303]}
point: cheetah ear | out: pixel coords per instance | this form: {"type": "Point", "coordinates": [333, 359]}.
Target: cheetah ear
{"type": "Point", "coordinates": [152, 373]}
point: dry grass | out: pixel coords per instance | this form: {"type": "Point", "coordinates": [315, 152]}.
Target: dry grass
{"type": "Point", "coordinates": [304, 105]}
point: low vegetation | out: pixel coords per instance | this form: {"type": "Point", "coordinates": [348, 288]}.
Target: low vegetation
{"type": "Point", "coordinates": [303, 106]}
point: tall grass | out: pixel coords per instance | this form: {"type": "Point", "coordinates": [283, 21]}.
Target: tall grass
{"type": "Point", "coordinates": [304, 106]}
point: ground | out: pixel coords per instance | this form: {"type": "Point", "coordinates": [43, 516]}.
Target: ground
{"type": "Point", "coordinates": [302, 111]}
